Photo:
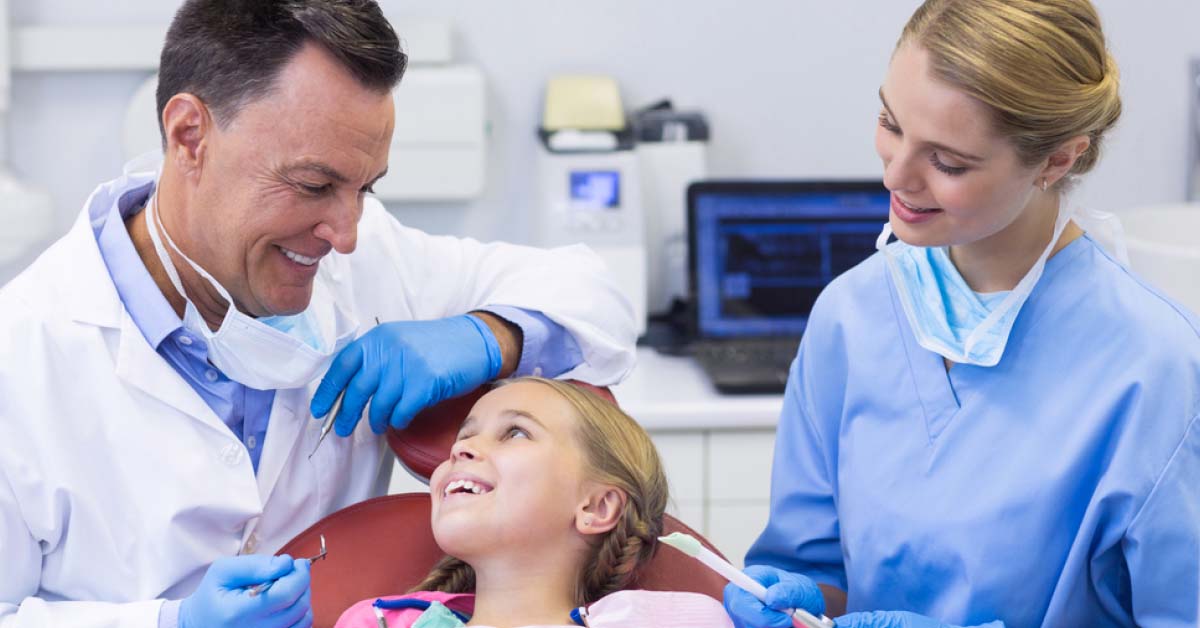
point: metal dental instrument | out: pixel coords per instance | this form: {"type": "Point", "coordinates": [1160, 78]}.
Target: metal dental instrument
{"type": "Point", "coordinates": [259, 589]}
{"type": "Point", "coordinates": [333, 410]}
{"type": "Point", "coordinates": [328, 426]}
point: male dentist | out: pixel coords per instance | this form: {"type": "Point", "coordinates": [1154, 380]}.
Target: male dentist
{"type": "Point", "coordinates": [163, 361]}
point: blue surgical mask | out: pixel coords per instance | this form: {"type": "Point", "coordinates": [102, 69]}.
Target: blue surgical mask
{"type": "Point", "coordinates": [946, 316]}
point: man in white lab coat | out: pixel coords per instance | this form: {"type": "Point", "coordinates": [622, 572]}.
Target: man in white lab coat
{"type": "Point", "coordinates": [163, 361]}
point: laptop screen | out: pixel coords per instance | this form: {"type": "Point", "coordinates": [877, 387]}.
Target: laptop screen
{"type": "Point", "coordinates": [761, 251]}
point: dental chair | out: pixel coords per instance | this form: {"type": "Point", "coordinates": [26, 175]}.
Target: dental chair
{"type": "Point", "coordinates": [385, 546]}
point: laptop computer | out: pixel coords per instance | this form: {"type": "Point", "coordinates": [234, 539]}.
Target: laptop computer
{"type": "Point", "coordinates": [759, 253]}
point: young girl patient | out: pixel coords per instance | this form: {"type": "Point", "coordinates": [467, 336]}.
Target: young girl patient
{"type": "Point", "coordinates": [550, 501]}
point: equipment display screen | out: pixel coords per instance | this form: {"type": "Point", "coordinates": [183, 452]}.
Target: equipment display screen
{"type": "Point", "coordinates": [762, 261]}
{"type": "Point", "coordinates": [595, 189]}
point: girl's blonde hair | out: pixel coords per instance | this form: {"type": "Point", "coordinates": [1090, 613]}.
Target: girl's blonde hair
{"type": "Point", "coordinates": [618, 452]}
{"type": "Point", "coordinates": [1041, 66]}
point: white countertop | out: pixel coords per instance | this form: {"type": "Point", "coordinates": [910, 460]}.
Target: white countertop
{"type": "Point", "coordinates": [673, 393]}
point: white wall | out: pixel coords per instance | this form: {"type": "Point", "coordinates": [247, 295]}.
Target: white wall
{"type": "Point", "coordinates": [789, 87]}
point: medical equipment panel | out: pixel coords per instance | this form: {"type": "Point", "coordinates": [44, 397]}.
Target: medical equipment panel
{"type": "Point", "coordinates": [590, 183]}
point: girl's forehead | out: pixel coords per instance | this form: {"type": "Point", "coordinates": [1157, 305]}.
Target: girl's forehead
{"type": "Point", "coordinates": [532, 401]}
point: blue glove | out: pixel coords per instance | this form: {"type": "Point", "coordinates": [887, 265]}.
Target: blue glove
{"type": "Point", "coordinates": [405, 367]}
{"type": "Point", "coordinates": [897, 619]}
{"type": "Point", "coordinates": [785, 591]}
{"type": "Point", "coordinates": [223, 599]}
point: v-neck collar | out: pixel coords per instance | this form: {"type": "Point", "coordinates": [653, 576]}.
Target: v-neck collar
{"type": "Point", "coordinates": [935, 386]}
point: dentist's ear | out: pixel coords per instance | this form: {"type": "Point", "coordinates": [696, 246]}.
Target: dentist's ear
{"type": "Point", "coordinates": [186, 124]}
{"type": "Point", "coordinates": [601, 510]}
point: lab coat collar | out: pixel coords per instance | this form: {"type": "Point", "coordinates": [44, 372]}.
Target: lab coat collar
{"type": "Point", "coordinates": [89, 296]}
{"type": "Point", "coordinates": [86, 292]}
{"type": "Point", "coordinates": [84, 288]}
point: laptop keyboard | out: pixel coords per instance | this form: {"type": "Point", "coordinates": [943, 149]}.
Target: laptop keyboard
{"type": "Point", "coordinates": [774, 353]}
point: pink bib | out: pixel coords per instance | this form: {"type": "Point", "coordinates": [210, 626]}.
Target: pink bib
{"type": "Point", "coordinates": [623, 609]}
{"type": "Point", "coordinates": [362, 614]}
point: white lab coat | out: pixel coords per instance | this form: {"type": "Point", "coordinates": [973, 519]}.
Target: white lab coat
{"type": "Point", "coordinates": [119, 486]}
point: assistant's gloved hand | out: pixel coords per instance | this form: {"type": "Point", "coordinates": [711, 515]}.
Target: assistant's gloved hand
{"type": "Point", "coordinates": [898, 619]}
{"type": "Point", "coordinates": [405, 367]}
{"type": "Point", "coordinates": [223, 600]}
{"type": "Point", "coordinates": [785, 591]}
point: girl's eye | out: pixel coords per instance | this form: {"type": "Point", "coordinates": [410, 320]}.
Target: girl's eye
{"type": "Point", "coordinates": [515, 432]}
{"type": "Point", "coordinates": [953, 171]}
{"type": "Point", "coordinates": [887, 124]}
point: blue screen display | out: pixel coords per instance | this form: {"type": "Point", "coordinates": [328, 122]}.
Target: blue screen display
{"type": "Point", "coordinates": [763, 259]}
{"type": "Point", "coordinates": [595, 189]}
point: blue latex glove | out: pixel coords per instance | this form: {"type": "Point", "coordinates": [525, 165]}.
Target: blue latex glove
{"type": "Point", "coordinates": [405, 367]}
{"type": "Point", "coordinates": [223, 600]}
{"type": "Point", "coordinates": [897, 619]}
{"type": "Point", "coordinates": [785, 591]}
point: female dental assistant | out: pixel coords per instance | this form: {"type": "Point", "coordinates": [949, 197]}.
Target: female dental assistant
{"type": "Point", "coordinates": [990, 422]}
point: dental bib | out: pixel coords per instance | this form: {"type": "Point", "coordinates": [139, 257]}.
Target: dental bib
{"type": "Point", "coordinates": [270, 353]}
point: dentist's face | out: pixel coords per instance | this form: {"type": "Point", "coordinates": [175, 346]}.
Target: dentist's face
{"type": "Point", "coordinates": [281, 186]}
{"type": "Point", "coordinates": [953, 180]}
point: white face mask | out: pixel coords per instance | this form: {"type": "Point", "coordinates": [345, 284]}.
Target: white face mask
{"type": "Point", "coordinates": [271, 353]}
{"type": "Point", "coordinates": [945, 315]}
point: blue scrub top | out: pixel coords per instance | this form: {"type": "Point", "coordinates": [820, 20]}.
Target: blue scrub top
{"type": "Point", "coordinates": [1060, 487]}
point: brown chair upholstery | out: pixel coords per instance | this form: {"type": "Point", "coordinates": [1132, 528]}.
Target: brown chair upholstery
{"type": "Point", "coordinates": [385, 546]}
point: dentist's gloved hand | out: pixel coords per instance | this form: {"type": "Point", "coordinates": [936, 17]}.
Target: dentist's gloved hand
{"type": "Point", "coordinates": [223, 599]}
{"type": "Point", "coordinates": [785, 591]}
{"type": "Point", "coordinates": [898, 619]}
{"type": "Point", "coordinates": [405, 367]}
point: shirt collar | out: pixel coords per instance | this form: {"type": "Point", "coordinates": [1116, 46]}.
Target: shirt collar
{"type": "Point", "coordinates": [146, 304]}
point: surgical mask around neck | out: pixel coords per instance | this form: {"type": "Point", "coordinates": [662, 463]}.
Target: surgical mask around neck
{"type": "Point", "coordinates": [271, 353]}
{"type": "Point", "coordinates": [945, 315]}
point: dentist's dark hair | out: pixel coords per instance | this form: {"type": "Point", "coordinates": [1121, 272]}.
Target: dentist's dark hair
{"type": "Point", "coordinates": [230, 52]}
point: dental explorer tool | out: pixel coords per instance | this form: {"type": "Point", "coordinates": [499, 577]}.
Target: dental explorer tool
{"type": "Point", "coordinates": [259, 589]}
{"type": "Point", "coordinates": [333, 410]}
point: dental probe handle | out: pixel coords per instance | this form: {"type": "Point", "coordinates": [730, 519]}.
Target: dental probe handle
{"type": "Point", "coordinates": [752, 586]}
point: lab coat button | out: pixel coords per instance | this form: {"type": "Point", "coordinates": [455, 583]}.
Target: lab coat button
{"type": "Point", "coordinates": [251, 544]}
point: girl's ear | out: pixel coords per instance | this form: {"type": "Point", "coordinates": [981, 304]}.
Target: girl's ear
{"type": "Point", "coordinates": [601, 510]}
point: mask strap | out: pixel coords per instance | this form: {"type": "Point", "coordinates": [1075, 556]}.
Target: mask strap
{"type": "Point", "coordinates": [1116, 232]}
{"type": "Point", "coordinates": [1023, 287]}
{"type": "Point", "coordinates": [163, 257]}
{"type": "Point", "coordinates": [884, 236]}
{"type": "Point", "coordinates": [171, 266]}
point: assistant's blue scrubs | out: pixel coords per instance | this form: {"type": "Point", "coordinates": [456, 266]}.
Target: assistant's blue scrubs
{"type": "Point", "coordinates": [1060, 487]}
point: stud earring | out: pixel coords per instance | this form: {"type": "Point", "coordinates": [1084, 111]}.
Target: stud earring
{"type": "Point", "coordinates": [1044, 185]}
{"type": "Point", "coordinates": [587, 522]}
